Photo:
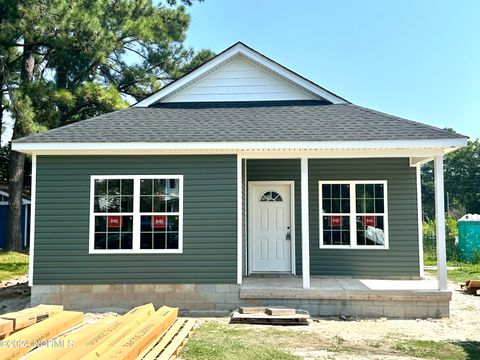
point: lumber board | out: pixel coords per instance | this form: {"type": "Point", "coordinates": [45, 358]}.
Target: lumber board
{"type": "Point", "coordinates": [252, 310]}
{"type": "Point", "coordinates": [280, 311]}
{"type": "Point", "coordinates": [132, 345]}
{"type": "Point", "coordinates": [44, 311]}
{"type": "Point", "coordinates": [474, 284]}
{"type": "Point", "coordinates": [20, 319]}
{"type": "Point", "coordinates": [6, 326]}
{"type": "Point", "coordinates": [151, 353]}
{"type": "Point", "coordinates": [95, 347]}
{"type": "Point", "coordinates": [69, 340]}
{"type": "Point", "coordinates": [26, 317]}
{"type": "Point", "coordinates": [264, 319]}
{"type": "Point", "coordinates": [178, 341]}
{"type": "Point", "coordinates": [18, 344]}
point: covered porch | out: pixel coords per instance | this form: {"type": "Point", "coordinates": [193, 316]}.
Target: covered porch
{"type": "Point", "coordinates": [334, 296]}
{"type": "Point", "coordinates": [304, 233]}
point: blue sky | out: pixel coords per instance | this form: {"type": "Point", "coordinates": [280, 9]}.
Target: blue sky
{"type": "Point", "coordinates": [418, 59]}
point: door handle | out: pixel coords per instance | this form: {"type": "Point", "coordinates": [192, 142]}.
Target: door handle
{"type": "Point", "coordinates": [288, 237]}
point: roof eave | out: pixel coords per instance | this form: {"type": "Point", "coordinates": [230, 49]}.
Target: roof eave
{"type": "Point", "coordinates": [445, 145]}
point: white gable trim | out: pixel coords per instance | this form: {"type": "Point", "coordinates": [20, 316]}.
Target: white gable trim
{"type": "Point", "coordinates": [252, 55]}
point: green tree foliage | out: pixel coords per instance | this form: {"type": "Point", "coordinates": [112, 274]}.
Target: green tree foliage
{"type": "Point", "coordinates": [462, 182]}
{"type": "Point", "coordinates": [62, 61]}
{"type": "Point", "coordinates": [430, 244]}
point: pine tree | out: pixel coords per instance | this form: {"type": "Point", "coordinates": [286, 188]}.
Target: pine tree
{"type": "Point", "coordinates": [65, 61]}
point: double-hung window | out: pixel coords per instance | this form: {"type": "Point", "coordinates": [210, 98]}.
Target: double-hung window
{"type": "Point", "coordinates": [136, 214]}
{"type": "Point", "coordinates": [353, 214]}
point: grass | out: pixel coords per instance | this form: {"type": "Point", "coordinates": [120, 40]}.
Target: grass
{"type": "Point", "coordinates": [462, 272]}
{"type": "Point", "coordinates": [13, 264]}
{"type": "Point", "coordinates": [425, 349]}
{"type": "Point", "coordinates": [213, 340]}
{"type": "Point", "coordinates": [218, 340]}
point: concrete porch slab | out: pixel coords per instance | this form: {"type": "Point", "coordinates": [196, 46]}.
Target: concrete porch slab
{"type": "Point", "coordinates": [342, 289]}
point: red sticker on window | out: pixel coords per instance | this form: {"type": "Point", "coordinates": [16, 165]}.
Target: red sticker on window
{"type": "Point", "coordinates": [114, 221]}
{"type": "Point", "coordinates": [159, 221]}
{"type": "Point", "coordinates": [369, 221]}
{"type": "Point", "coordinates": [334, 221]}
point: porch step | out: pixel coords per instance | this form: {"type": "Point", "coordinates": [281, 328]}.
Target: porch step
{"type": "Point", "coordinates": [270, 316]}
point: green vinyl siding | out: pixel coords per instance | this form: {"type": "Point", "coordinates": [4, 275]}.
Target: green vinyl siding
{"type": "Point", "coordinates": [62, 222]}
{"type": "Point", "coordinates": [401, 259]}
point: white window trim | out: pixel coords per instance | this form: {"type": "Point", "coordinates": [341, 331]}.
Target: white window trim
{"type": "Point", "coordinates": [136, 216]}
{"type": "Point", "coordinates": [353, 214]}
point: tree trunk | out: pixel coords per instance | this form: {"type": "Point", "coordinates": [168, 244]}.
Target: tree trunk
{"type": "Point", "coordinates": [17, 160]}
{"type": "Point", "coordinates": [15, 190]}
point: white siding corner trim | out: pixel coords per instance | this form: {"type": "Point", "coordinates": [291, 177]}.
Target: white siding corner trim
{"type": "Point", "coordinates": [239, 220]}
{"type": "Point", "coordinates": [32, 220]}
{"type": "Point", "coordinates": [420, 222]}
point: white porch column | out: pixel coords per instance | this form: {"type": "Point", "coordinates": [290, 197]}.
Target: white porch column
{"type": "Point", "coordinates": [305, 224]}
{"type": "Point", "coordinates": [440, 222]}
{"type": "Point", "coordinates": [239, 220]}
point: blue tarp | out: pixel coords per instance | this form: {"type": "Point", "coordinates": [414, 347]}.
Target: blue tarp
{"type": "Point", "coordinates": [3, 225]}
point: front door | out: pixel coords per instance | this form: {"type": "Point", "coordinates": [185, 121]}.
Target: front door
{"type": "Point", "coordinates": [270, 227]}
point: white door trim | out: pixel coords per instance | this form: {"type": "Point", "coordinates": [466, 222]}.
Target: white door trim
{"type": "Point", "coordinates": [250, 212]}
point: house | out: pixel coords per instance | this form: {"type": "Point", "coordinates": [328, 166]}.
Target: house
{"type": "Point", "coordinates": [25, 216]}
{"type": "Point", "coordinates": [240, 183]}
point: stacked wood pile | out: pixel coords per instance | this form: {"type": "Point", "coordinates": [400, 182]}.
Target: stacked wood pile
{"type": "Point", "coordinates": [471, 287]}
{"type": "Point", "coordinates": [269, 316]}
{"type": "Point", "coordinates": [47, 332]}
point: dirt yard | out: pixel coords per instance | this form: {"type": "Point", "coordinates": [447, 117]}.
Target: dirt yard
{"type": "Point", "coordinates": [457, 337]}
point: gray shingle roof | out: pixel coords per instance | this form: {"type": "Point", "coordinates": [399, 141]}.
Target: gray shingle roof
{"type": "Point", "coordinates": [242, 121]}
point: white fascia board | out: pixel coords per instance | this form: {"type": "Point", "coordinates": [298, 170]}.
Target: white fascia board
{"type": "Point", "coordinates": [243, 146]}
{"type": "Point", "coordinates": [254, 56]}
{"type": "Point", "coordinates": [419, 160]}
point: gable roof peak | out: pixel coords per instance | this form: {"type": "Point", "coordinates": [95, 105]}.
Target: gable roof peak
{"type": "Point", "coordinates": [233, 51]}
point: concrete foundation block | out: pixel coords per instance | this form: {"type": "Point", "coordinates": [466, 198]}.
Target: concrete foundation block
{"type": "Point", "coordinates": [173, 298]}
{"type": "Point", "coordinates": [224, 298]}
{"type": "Point", "coordinates": [215, 298]}
{"type": "Point", "coordinates": [222, 288]}
{"type": "Point", "coordinates": [205, 288]}
{"type": "Point", "coordinates": [372, 311]}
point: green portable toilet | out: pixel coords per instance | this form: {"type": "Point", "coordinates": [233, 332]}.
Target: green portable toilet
{"type": "Point", "coordinates": [469, 236]}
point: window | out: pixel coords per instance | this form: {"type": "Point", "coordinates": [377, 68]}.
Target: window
{"type": "Point", "coordinates": [3, 199]}
{"type": "Point", "coordinates": [271, 196]}
{"type": "Point", "coordinates": [136, 214]}
{"type": "Point", "coordinates": [353, 214]}
{"type": "Point", "coordinates": [159, 210]}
